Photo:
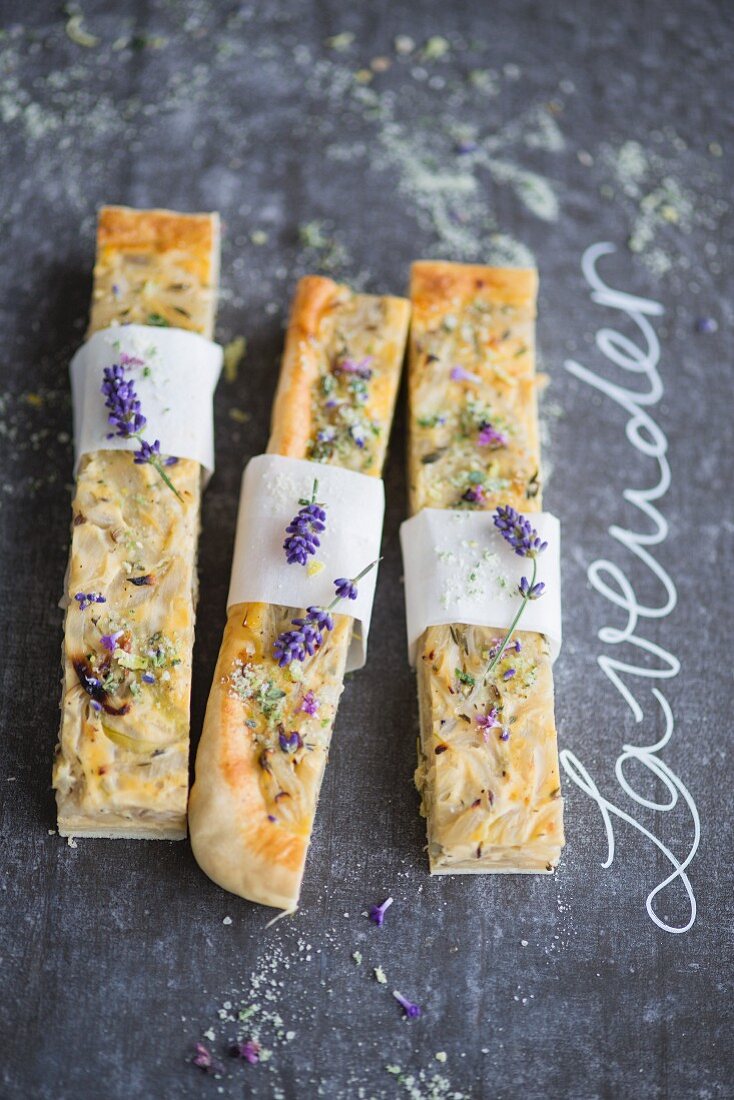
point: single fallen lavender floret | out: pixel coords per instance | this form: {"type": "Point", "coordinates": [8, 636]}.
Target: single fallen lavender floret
{"type": "Point", "coordinates": [489, 436]}
{"type": "Point", "coordinates": [249, 1051]}
{"type": "Point", "coordinates": [474, 495]}
{"type": "Point", "coordinates": [204, 1060]}
{"type": "Point", "coordinates": [411, 1010]}
{"type": "Point", "coordinates": [86, 599]}
{"type": "Point", "coordinates": [109, 641]}
{"type": "Point", "coordinates": [461, 374]}
{"type": "Point", "coordinates": [296, 645]}
{"type": "Point", "coordinates": [487, 721]}
{"type": "Point", "coordinates": [126, 417]}
{"type": "Point", "coordinates": [360, 369]}
{"type": "Point", "coordinates": [310, 704]}
{"type": "Point", "coordinates": [377, 912]}
{"type": "Point", "coordinates": [290, 742]}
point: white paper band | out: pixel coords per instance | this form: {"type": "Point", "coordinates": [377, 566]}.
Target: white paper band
{"type": "Point", "coordinates": [459, 569]}
{"type": "Point", "coordinates": [355, 506]}
{"type": "Point", "coordinates": [175, 374]}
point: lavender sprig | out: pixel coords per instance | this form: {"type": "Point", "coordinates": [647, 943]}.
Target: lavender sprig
{"type": "Point", "coordinates": [304, 529]}
{"type": "Point", "coordinates": [126, 417]}
{"type": "Point", "coordinates": [296, 645]}
{"type": "Point", "coordinates": [527, 543]}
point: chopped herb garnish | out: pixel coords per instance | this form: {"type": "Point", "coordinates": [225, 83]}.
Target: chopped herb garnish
{"type": "Point", "coordinates": [464, 677]}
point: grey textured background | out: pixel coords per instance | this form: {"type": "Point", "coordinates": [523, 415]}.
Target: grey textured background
{"type": "Point", "coordinates": [114, 958]}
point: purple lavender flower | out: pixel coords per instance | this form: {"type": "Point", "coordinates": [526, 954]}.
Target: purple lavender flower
{"type": "Point", "coordinates": [474, 495]}
{"type": "Point", "coordinates": [310, 704]}
{"type": "Point", "coordinates": [508, 674]}
{"type": "Point", "coordinates": [517, 531]}
{"type": "Point", "coordinates": [487, 721]}
{"type": "Point", "coordinates": [122, 401]}
{"type": "Point", "coordinates": [411, 1010]}
{"type": "Point", "coordinates": [86, 599]}
{"type": "Point", "coordinates": [345, 588]}
{"type": "Point", "coordinates": [377, 912]}
{"type": "Point", "coordinates": [461, 374]}
{"type": "Point", "coordinates": [505, 735]}
{"type": "Point", "coordinates": [361, 369]}
{"type": "Point", "coordinates": [489, 436]}
{"type": "Point", "coordinates": [109, 641]}
{"type": "Point", "coordinates": [249, 1051]}
{"type": "Point", "coordinates": [148, 678]}
{"type": "Point", "coordinates": [290, 742]}
{"type": "Point", "coordinates": [530, 591]}
{"type": "Point", "coordinates": [148, 452]}
{"type": "Point", "coordinates": [204, 1060]}
{"type": "Point", "coordinates": [303, 531]}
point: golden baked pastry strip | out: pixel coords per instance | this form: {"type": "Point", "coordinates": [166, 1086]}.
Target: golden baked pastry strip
{"type": "Point", "coordinates": [267, 729]}
{"type": "Point", "coordinates": [121, 765]}
{"type": "Point", "coordinates": [490, 788]}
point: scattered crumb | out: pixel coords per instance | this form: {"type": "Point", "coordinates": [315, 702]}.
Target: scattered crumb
{"type": "Point", "coordinates": [340, 42]}
{"type": "Point", "coordinates": [227, 920]}
{"type": "Point", "coordinates": [234, 353]}
{"type": "Point", "coordinates": [380, 975]}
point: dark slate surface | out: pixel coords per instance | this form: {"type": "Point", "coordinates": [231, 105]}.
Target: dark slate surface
{"type": "Point", "coordinates": [115, 958]}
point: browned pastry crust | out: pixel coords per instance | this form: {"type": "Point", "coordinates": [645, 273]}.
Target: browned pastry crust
{"type": "Point", "coordinates": [252, 806]}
